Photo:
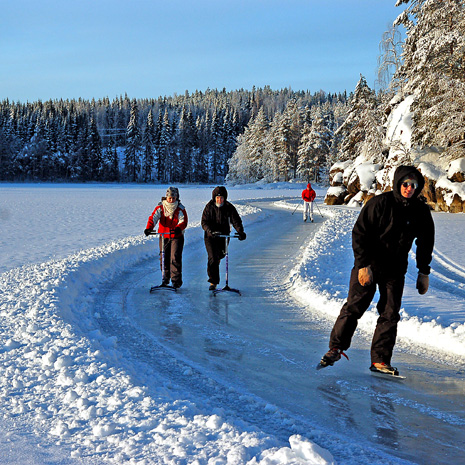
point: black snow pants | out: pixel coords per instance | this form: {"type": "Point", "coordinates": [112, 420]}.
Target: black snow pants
{"type": "Point", "coordinates": [216, 250]}
{"type": "Point", "coordinates": [173, 260]}
{"type": "Point", "coordinates": [359, 299]}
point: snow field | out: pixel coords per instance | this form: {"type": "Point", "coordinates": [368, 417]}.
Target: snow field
{"type": "Point", "coordinates": [70, 384]}
{"type": "Point", "coordinates": [64, 379]}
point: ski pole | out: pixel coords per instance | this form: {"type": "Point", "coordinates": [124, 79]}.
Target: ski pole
{"type": "Point", "coordinates": [318, 209]}
{"type": "Point", "coordinates": [296, 208]}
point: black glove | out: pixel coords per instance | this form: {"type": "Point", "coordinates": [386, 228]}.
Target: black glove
{"type": "Point", "coordinates": [422, 283]}
{"type": "Point", "coordinates": [177, 230]}
{"type": "Point", "coordinates": [215, 233]}
{"type": "Point", "coordinates": [242, 235]}
{"type": "Point", "coordinates": [147, 232]}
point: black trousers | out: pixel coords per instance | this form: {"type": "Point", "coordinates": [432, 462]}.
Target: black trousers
{"type": "Point", "coordinates": [359, 299]}
{"type": "Point", "coordinates": [173, 259]}
{"type": "Point", "coordinates": [216, 250]}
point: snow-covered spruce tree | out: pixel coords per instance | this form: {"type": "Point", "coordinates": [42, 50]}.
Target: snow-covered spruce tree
{"type": "Point", "coordinates": [306, 162]}
{"type": "Point", "coordinates": [433, 69]}
{"type": "Point", "coordinates": [256, 137]}
{"type": "Point", "coordinates": [247, 162]}
{"type": "Point", "coordinates": [186, 144]}
{"type": "Point", "coordinates": [199, 163]}
{"type": "Point", "coordinates": [176, 164]}
{"type": "Point", "coordinates": [292, 125]}
{"type": "Point", "coordinates": [314, 150]}
{"type": "Point", "coordinates": [239, 165]}
{"type": "Point", "coordinates": [272, 170]}
{"type": "Point", "coordinates": [79, 166]}
{"type": "Point", "coordinates": [148, 148]}
{"type": "Point", "coordinates": [133, 145]}
{"type": "Point", "coordinates": [95, 151]}
{"type": "Point", "coordinates": [361, 130]}
{"type": "Point", "coordinates": [9, 147]}
{"type": "Point", "coordinates": [230, 132]}
{"type": "Point", "coordinates": [157, 162]}
{"type": "Point", "coordinates": [164, 152]}
{"type": "Point", "coordinates": [110, 155]}
{"type": "Point", "coordinates": [216, 148]}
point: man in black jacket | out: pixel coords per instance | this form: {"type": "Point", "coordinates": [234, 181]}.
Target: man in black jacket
{"type": "Point", "coordinates": [381, 240]}
{"type": "Point", "coordinates": [217, 217]}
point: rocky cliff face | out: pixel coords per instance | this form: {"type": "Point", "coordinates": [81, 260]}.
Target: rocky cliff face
{"type": "Point", "coordinates": [353, 183]}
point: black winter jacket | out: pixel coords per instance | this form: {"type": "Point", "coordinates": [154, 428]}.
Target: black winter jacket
{"type": "Point", "coordinates": [387, 226]}
{"type": "Point", "coordinates": [219, 219]}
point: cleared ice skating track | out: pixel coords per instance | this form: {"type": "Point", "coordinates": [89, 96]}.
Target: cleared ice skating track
{"type": "Point", "coordinates": [249, 353]}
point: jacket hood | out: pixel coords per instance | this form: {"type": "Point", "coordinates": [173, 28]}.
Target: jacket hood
{"type": "Point", "coordinates": [402, 172]}
{"type": "Point", "coordinates": [220, 190]}
{"type": "Point", "coordinates": [309, 186]}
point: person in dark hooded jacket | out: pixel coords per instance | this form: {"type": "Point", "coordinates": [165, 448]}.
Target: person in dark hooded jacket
{"type": "Point", "coordinates": [381, 240]}
{"type": "Point", "coordinates": [217, 218]}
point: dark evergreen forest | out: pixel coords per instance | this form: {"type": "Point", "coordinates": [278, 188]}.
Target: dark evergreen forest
{"type": "Point", "coordinates": [184, 138]}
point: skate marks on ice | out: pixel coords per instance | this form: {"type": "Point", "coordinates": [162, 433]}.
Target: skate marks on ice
{"type": "Point", "coordinates": [252, 355]}
{"type": "Point", "coordinates": [173, 369]}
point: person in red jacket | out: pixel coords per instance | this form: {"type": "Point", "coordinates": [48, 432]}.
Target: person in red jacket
{"type": "Point", "coordinates": [171, 216]}
{"type": "Point", "coordinates": [308, 196]}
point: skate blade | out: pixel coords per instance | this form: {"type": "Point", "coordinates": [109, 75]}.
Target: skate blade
{"type": "Point", "coordinates": [386, 375]}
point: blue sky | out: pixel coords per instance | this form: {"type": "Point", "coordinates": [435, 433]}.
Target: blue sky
{"type": "Point", "coordinates": [53, 49]}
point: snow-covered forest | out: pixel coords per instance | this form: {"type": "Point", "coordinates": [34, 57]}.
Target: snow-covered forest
{"type": "Point", "coordinates": [414, 115]}
{"type": "Point", "coordinates": [185, 138]}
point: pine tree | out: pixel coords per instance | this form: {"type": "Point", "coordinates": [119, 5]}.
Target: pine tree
{"type": "Point", "coordinates": [95, 151]}
{"type": "Point", "coordinates": [272, 168]}
{"type": "Point", "coordinates": [283, 153]}
{"type": "Point", "coordinates": [314, 150]}
{"type": "Point", "coordinates": [133, 145]}
{"type": "Point", "coordinates": [292, 128]}
{"type": "Point", "coordinates": [200, 166]}
{"type": "Point", "coordinates": [110, 154]}
{"type": "Point", "coordinates": [354, 129]}
{"type": "Point", "coordinates": [164, 156]}
{"type": "Point", "coordinates": [148, 143]}
{"type": "Point", "coordinates": [217, 153]}
{"type": "Point", "coordinates": [158, 169]}
{"type": "Point", "coordinates": [434, 56]}
{"type": "Point", "coordinates": [256, 138]}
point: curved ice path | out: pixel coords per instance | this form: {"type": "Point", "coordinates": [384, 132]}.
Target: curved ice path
{"type": "Point", "coordinates": [100, 370]}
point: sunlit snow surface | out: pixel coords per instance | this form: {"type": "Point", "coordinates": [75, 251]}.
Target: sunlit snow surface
{"type": "Point", "coordinates": [65, 385]}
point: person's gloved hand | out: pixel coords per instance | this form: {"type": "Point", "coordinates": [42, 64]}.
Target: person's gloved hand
{"type": "Point", "coordinates": [177, 230]}
{"type": "Point", "coordinates": [242, 235]}
{"type": "Point", "coordinates": [422, 283]}
{"type": "Point", "coordinates": [365, 276]}
{"type": "Point", "coordinates": [147, 232]}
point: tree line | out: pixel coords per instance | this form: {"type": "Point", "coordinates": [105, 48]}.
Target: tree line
{"type": "Point", "coordinates": [182, 138]}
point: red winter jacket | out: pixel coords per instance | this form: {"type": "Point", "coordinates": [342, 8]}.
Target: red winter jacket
{"type": "Point", "coordinates": [167, 224]}
{"type": "Point", "coordinates": [308, 194]}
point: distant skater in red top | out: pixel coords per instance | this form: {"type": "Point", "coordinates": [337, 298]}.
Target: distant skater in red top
{"type": "Point", "coordinates": [171, 217]}
{"type": "Point", "coordinates": [308, 196]}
